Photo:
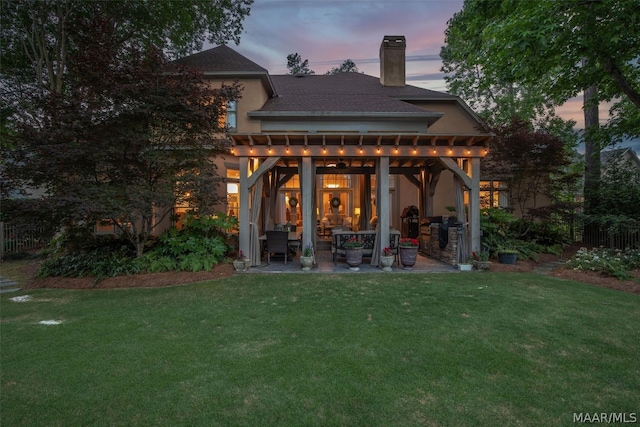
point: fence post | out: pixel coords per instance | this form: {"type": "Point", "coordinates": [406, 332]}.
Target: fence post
{"type": "Point", "coordinates": [1, 239]}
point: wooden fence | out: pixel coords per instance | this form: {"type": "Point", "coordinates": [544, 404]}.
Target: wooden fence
{"type": "Point", "coordinates": [14, 239]}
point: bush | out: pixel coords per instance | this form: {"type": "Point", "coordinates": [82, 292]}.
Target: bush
{"type": "Point", "coordinates": [109, 260]}
{"type": "Point", "coordinates": [198, 246]}
{"type": "Point", "coordinates": [612, 262]}
{"type": "Point", "coordinates": [500, 229]}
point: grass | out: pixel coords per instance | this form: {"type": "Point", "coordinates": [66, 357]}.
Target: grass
{"type": "Point", "coordinates": [322, 350]}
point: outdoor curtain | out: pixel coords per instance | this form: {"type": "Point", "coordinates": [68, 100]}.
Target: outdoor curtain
{"type": "Point", "coordinates": [365, 202]}
{"type": "Point", "coordinates": [375, 256]}
{"type": "Point", "coordinates": [463, 239]}
{"type": "Point", "coordinates": [254, 215]}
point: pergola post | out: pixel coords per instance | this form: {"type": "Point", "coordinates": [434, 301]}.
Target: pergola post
{"type": "Point", "coordinates": [244, 242]}
{"type": "Point", "coordinates": [308, 229]}
{"type": "Point", "coordinates": [383, 202]}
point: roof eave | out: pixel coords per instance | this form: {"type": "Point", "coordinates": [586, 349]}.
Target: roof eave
{"type": "Point", "coordinates": [345, 114]}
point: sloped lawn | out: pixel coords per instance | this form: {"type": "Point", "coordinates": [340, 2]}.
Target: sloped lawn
{"type": "Point", "coordinates": [295, 349]}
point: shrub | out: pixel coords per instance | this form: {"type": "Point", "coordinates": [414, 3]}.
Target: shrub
{"type": "Point", "coordinates": [109, 260]}
{"type": "Point", "coordinates": [198, 246]}
{"type": "Point", "coordinates": [612, 262]}
{"type": "Point", "coordinates": [500, 229]}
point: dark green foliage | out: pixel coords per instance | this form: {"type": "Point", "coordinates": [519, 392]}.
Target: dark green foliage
{"type": "Point", "coordinates": [98, 257]}
{"type": "Point", "coordinates": [500, 229]}
{"type": "Point", "coordinates": [198, 246]}
{"type": "Point", "coordinates": [620, 190]}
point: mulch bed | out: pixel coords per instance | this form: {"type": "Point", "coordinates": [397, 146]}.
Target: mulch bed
{"type": "Point", "coordinates": [219, 271]}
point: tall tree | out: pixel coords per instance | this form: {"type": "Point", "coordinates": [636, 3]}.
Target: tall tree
{"type": "Point", "coordinates": [348, 66]}
{"type": "Point", "coordinates": [500, 51]}
{"type": "Point", "coordinates": [99, 121]}
{"type": "Point", "coordinates": [36, 38]}
{"type": "Point", "coordinates": [296, 65]}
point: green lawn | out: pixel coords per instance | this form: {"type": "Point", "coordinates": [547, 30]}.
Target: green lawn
{"type": "Point", "coordinates": [322, 350]}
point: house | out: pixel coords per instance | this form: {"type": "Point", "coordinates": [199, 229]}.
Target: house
{"type": "Point", "coordinates": [351, 147]}
{"type": "Point", "coordinates": [619, 157]}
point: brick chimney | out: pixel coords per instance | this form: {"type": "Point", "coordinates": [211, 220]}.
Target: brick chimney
{"type": "Point", "coordinates": [392, 61]}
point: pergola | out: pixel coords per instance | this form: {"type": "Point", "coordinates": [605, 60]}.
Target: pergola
{"type": "Point", "coordinates": [420, 157]}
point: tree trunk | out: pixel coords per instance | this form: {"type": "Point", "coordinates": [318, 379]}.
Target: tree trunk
{"type": "Point", "coordinates": [592, 151]}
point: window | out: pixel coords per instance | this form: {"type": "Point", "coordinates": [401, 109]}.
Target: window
{"type": "Point", "coordinates": [493, 194]}
{"type": "Point", "coordinates": [336, 181]}
{"type": "Point", "coordinates": [231, 115]}
{"type": "Point", "coordinates": [233, 179]}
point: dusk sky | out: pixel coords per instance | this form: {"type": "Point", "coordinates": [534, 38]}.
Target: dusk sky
{"type": "Point", "coordinates": [327, 32]}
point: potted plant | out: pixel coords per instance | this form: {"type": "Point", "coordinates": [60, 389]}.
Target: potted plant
{"type": "Point", "coordinates": [408, 251]}
{"type": "Point", "coordinates": [353, 253]}
{"type": "Point", "coordinates": [241, 263]}
{"type": "Point", "coordinates": [386, 259]}
{"type": "Point", "coordinates": [481, 260]}
{"type": "Point", "coordinates": [507, 255]}
{"type": "Point", "coordinates": [306, 259]}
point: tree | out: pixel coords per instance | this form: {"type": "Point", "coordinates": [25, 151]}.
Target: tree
{"type": "Point", "coordinates": [620, 189]}
{"type": "Point", "coordinates": [348, 66]}
{"type": "Point", "coordinates": [36, 35]}
{"type": "Point", "coordinates": [548, 52]}
{"type": "Point", "coordinates": [531, 161]}
{"type": "Point", "coordinates": [296, 65]}
{"type": "Point", "coordinates": [112, 134]}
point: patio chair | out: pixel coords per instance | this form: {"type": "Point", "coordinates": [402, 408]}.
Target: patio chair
{"type": "Point", "coordinates": [277, 243]}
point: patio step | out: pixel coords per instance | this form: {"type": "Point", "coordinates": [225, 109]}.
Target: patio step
{"type": "Point", "coordinates": [8, 285]}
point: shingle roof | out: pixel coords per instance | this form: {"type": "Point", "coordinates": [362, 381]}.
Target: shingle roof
{"type": "Point", "coordinates": [342, 92]}
{"type": "Point", "coordinates": [346, 92]}
{"type": "Point", "coordinates": [219, 59]}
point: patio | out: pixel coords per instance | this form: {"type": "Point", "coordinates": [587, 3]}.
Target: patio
{"type": "Point", "coordinates": [325, 264]}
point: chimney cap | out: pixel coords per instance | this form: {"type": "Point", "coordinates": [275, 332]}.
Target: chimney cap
{"type": "Point", "coordinates": [389, 41]}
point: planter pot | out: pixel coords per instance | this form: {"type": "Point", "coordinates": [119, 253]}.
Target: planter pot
{"type": "Point", "coordinates": [386, 262]}
{"type": "Point", "coordinates": [507, 257]}
{"type": "Point", "coordinates": [241, 265]}
{"type": "Point", "coordinates": [408, 255]}
{"type": "Point", "coordinates": [482, 265]}
{"type": "Point", "coordinates": [464, 267]}
{"type": "Point", "coordinates": [354, 258]}
{"type": "Point", "coordinates": [306, 262]}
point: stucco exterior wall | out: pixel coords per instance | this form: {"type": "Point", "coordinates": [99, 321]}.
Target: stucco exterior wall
{"type": "Point", "coordinates": [456, 119]}
{"type": "Point", "coordinates": [253, 97]}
